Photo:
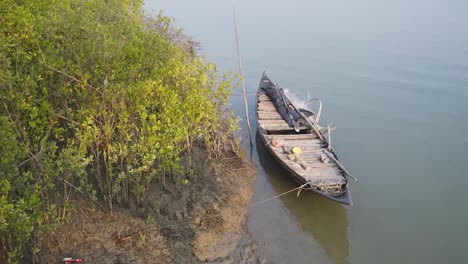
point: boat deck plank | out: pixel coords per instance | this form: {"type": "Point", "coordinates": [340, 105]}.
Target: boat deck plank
{"type": "Point", "coordinates": [316, 171]}
{"type": "Point", "coordinates": [294, 137]}
{"type": "Point", "coordinates": [312, 150]}
{"type": "Point", "coordinates": [263, 97]}
{"type": "Point", "coordinates": [277, 125]}
{"type": "Point", "coordinates": [269, 116]}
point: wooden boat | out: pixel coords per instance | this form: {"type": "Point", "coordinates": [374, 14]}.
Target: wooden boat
{"type": "Point", "coordinates": [299, 144]}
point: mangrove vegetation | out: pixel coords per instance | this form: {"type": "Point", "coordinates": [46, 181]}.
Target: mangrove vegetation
{"type": "Point", "coordinates": [98, 99]}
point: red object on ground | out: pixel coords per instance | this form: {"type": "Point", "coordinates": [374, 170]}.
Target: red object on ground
{"type": "Point", "coordinates": [71, 260]}
{"type": "Point", "coordinates": [276, 143]}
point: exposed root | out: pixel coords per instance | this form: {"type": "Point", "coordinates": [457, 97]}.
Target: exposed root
{"type": "Point", "coordinates": [119, 239]}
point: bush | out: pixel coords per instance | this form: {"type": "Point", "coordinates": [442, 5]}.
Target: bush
{"type": "Point", "coordinates": [97, 99]}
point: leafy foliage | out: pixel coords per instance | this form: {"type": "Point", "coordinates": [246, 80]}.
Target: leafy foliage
{"type": "Point", "coordinates": [97, 99]}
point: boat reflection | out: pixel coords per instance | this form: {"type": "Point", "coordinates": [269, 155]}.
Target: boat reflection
{"type": "Point", "coordinates": [324, 219]}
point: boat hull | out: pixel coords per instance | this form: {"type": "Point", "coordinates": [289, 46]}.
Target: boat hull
{"type": "Point", "coordinates": [265, 135]}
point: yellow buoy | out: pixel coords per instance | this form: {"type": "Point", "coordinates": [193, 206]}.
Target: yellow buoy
{"type": "Point", "coordinates": [296, 150]}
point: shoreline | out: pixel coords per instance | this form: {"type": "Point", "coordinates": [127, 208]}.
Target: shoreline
{"type": "Point", "coordinates": [202, 221]}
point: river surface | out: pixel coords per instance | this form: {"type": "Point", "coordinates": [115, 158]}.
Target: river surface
{"type": "Point", "coordinates": [393, 76]}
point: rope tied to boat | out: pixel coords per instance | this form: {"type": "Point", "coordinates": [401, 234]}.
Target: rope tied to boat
{"type": "Point", "coordinates": [188, 222]}
{"type": "Point", "coordinates": [299, 189]}
{"type": "Point", "coordinates": [302, 187]}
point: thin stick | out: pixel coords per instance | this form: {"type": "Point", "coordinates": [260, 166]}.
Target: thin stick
{"type": "Point", "coordinates": [242, 76]}
{"type": "Point", "coordinates": [339, 164]}
{"type": "Point", "coordinates": [306, 119]}
{"type": "Point", "coordinates": [319, 113]}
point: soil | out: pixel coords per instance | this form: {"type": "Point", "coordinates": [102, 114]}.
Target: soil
{"type": "Point", "coordinates": [198, 220]}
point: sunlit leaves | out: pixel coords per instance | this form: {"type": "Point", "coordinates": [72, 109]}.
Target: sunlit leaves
{"type": "Point", "coordinates": [96, 98]}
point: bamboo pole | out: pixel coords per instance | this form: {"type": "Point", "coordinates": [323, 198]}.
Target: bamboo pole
{"type": "Point", "coordinates": [242, 76]}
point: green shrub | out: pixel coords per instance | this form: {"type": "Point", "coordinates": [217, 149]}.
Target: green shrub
{"type": "Point", "coordinates": [97, 99]}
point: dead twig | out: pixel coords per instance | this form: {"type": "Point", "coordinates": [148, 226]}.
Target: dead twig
{"type": "Point", "coordinates": [120, 239]}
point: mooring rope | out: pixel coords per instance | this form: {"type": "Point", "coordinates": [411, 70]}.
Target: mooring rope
{"type": "Point", "coordinates": [154, 227]}
{"type": "Point", "coordinates": [281, 194]}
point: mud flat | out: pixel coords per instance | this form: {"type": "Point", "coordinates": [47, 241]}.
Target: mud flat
{"type": "Point", "coordinates": [198, 221]}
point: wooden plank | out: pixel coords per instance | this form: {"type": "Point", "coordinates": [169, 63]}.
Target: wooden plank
{"type": "Point", "coordinates": [269, 113]}
{"type": "Point", "coordinates": [295, 136]}
{"type": "Point", "coordinates": [317, 180]}
{"type": "Point", "coordinates": [303, 142]}
{"type": "Point", "coordinates": [316, 159]}
{"type": "Point", "coordinates": [311, 155]}
{"type": "Point", "coordinates": [315, 150]}
{"type": "Point", "coordinates": [300, 138]}
{"type": "Point", "coordinates": [280, 122]}
{"type": "Point", "coordinates": [271, 122]}
{"type": "Point", "coordinates": [330, 174]}
{"type": "Point", "coordinates": [306, 151]}
{"type": "Point", "coordinates": [308, 146]}
{"type": "Point", "coordinates": [266, 123]}
{"type": "Point", "coordinates": [266, 103]}
{"type": "Point", "coordinates": [324, 171]}
{"type": "Point", "coordinates": [277, 128]}
{"type": "Point", "coordinates": [285, 156]}
{"type": "Point", "coordinates": [324, 177]}
{"type": "Point", "coordinates": [320, 165]}
{"type": "Point", "coordinates": [317, 164]}
{"type": "Point", "coordinates": [310, 174]}
{"type": "Point", "coordinates": [280, 128]}
{"type": "Point", "coordinates": [267, 108]}
{"type": "Point", "coordinates": [269, 103]}
{"type": "Point", "coordinates": [313, 162]}
{"type": "Point", "coordinates": [314, 165]}
{"type": "Point", "coordinates": [311, 147]}
{"type": "Point", "coordinates": [269, 117]}
{"type": "Point", "coordinates": [314, 173]}
{"type": "Point", "coordinates": [317, 169]}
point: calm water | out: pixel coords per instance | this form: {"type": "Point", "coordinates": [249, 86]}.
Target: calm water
{"type": "Point", "coordinates": [393, 76]}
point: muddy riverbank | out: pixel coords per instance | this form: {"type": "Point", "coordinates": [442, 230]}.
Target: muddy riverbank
{"type": "Point", "coordinates": [198, 221]}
